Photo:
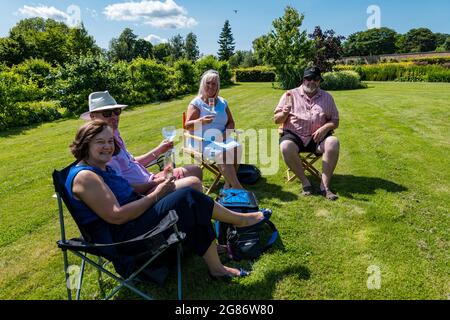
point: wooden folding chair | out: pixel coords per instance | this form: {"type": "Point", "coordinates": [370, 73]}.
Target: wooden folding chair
{"type": "Point", "coordinates": [308, 160]}
{"type": "Point", "coordinates": [197, 155]}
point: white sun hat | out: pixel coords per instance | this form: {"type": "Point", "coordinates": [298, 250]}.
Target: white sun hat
{"type": "Point", "coordinates": [99, 101]}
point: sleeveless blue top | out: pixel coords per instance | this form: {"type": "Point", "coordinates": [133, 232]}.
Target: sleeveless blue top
{"type": "Point", "coordinates": [118, 185]}
{"type": "Point", "coordinates": [210, 131]}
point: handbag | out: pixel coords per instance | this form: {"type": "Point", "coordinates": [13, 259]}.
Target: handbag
{"type": "Point", "coordinates": [248, 174]}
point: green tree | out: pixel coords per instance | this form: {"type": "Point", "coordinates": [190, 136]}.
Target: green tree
{"type": "Point", "coordinates": [162, 52]}
{"type": "Point", "coordinates": [122, 48]}
{"type": "Point", "coordinates": [371, 42]}
{"type": "Point", "coordinates": [44, 39]}
{"type": "Point", "coordinates": [80, 43]}
{"type": "Point", "coordinates": [419, 40]}
{"type": "Point", "coordinates": [286, 48]}
{"type": "Point", "coordinates": [244, 59]}
{"type": "Point", "coordinates": [177, 48]}
{"type": "Point", "coordinates": [191, 49]}
{"type": "Point", "coordinates": [447, 44]}
{"type": "Point", "coordinates": [226, 42]}
{"type": "Point", "coordinates": [441, 38]}
{"type": "Point", "coordinates": [11, 51]}
{"type": "Point", "coordinates": [143, 49]}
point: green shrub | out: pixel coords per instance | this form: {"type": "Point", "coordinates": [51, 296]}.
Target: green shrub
{"type": "Point", "coordinates": [18, 88]}
{"type": "Point", "coordinates": [185, 77]}
{"type": "Point", "coordinates": [151, 81]}
{"type": "Point", "coordinates": [37, 70]}
{"type": "Point", "coordinates": [26, 113]}
{"type": "Point", "coordinates": [78, 79]}
{"type": "Point", "coordinates": [403, 71]}
{"type": "Point", "coordinates": [341, 80]}
{"type": "Point", "coordinates": [255, 74]}
{"type": "Point", "coordinates": [210, 62]}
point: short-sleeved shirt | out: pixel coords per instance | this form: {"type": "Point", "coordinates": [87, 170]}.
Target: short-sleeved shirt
{"type": "Point", "coordinates": [307, 115]}
{"type": "Point", "coordinates": [127, 166]}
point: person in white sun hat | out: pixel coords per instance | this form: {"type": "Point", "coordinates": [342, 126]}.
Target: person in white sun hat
{"type": "Point", "coordinates": [102, 106]}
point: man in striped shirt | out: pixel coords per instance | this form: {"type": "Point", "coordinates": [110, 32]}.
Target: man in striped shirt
{"type": "Point", "coordinates": [307, 116]}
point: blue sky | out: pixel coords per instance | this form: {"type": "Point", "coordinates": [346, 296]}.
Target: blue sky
{"type": "Point", "coordinates": [106, 19]}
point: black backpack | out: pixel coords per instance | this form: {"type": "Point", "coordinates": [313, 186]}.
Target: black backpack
{"type": "Point", "coordinates": [243, 243]}
{"type": "Point", "coordinates": [248, 174]}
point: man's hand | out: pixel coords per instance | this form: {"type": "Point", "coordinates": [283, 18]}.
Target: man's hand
{"type": "Point", "coordinates": [286, 110]}
{"type": "Point", "coordinates": [165, 146]}
{"type": "Point", "coordinates": [319, 135]}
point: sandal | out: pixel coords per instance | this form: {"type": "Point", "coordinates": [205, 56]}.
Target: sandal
{"type": "Point", "coordinates": [329, 195]}
{"type": "Point", "coordinates": [307, 191]}
{"type": "Point", "coordinates": [228, 277]}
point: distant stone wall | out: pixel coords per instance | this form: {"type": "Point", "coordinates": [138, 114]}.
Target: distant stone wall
{"type": "Point", "coordinates": [387, 57]}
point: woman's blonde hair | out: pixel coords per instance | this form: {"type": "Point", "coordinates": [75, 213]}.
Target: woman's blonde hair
{"type": "Point", "coordinates": [207, 76]}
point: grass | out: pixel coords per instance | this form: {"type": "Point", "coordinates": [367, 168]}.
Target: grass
{"type": "Point", "coordinates": [393, 212]}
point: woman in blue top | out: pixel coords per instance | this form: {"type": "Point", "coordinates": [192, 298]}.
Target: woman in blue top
{"type": "Point", "coordinates": [209, 116]}
{"type": "Point", "coordinates": [103, 199]}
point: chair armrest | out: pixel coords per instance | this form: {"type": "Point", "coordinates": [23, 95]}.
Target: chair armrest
{"type": "Point", "coordinates": [155, 234]}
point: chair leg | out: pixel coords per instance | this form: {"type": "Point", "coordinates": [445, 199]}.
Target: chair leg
{"type": "Point", "coordinates": [66, 274]}
{"type": "Point", "coordinates": [214, 184]}
{"type": "Point", "coordinates": [80, 279]}
{"type": "Point", "coordinates": [180, 284]}
{"type": "Point", "coordinates": [308, 166]}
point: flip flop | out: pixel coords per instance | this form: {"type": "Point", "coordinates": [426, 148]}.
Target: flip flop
{"type": "Point", "coordinates": [228, 277]}
{"type": "Point", "coordinates": [307, 191]}
{"type": "Point", "coordinates": [329, 195]}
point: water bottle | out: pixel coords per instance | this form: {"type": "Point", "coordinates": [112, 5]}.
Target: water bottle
{"type": "Point", "coordinates": [168, 165]}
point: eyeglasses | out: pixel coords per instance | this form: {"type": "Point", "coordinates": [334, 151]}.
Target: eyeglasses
{"type": "Point", "coordinates": [311, 78]}
{"type": "Point", "coordinates": [108, 113]}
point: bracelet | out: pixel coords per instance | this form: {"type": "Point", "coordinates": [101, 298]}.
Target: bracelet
{"type": "Point", "coordinates": [154, 155]}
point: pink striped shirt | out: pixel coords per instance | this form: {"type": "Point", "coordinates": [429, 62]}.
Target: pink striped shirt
{"type": "Point", "coordinates": [307, 115]}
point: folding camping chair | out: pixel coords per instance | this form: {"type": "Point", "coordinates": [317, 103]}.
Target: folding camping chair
{"type": "Point", "coordinates": [153, 241]}
{"type": "Point", "coordinates": [157, 162]}
{"type": "Point", "coordinates": [197, 155]}
{"type": "Point", "coordinates": [308, 159]}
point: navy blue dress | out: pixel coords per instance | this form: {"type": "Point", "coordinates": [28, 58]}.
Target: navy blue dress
{"type": "Point", "coordinates": [194, 210]}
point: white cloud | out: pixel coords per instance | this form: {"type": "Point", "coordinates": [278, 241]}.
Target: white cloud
{"type": "Point", "coordinates": [158, 14]}
{"type": "Point", "coordinates": [172, 22]}
{"type": "Point", "coordinates": [44, 12]}
{"type": "Point", "coordinates": [72, 17]}
{"type": "Point", "coordinates": [154, 39]}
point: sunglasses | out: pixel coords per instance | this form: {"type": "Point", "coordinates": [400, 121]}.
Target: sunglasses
{"type": "Point", "coordinates": [312, 78]}
{"type": "Point", "coordinates": [108, 113]}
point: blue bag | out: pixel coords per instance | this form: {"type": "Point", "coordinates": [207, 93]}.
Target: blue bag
{"type": "Point", "coordinates": [243, 243]}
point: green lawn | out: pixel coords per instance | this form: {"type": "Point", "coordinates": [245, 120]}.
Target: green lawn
{"type": "Point", "coordinates": [393, 180]}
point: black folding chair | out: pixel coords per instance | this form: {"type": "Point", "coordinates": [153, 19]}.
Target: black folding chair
{"type": "Point", "coordinates": [144, 249]}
